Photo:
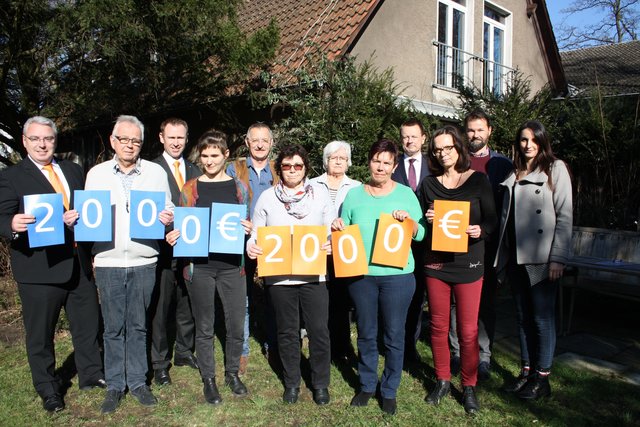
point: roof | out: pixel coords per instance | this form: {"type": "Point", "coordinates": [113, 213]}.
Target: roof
{"type": "Point", "coordinates": [332, 26]}
{"type": "Point", "coordinates": [537, 11]}
{"type": "Point", "coordinates": [615, 68]}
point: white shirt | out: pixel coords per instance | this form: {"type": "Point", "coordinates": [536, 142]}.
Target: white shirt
{"type": "Point", "coordinates": [417, 165]}
{"type": "Point", "coordinates": [170, 161]}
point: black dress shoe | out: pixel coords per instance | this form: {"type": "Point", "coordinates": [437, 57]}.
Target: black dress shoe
{"type": "Point", "coordinates": [290, 394]}
{"type": "Point", "coordinates": [484, 371]}
{"type": "Point", "coordinates": [321, 396]}
{"type": "Point", "coordinates": [99, 383]}
{"type": "Point", "coordinates": [438, 393]}
{"type": "Point", "coordinates": [161, 376]}
{"type": "Point", "coordinates": [469, 400]}
{"type": "Point", "coordinates": [537, 387]}
{"type": "Point", "coordinates": [361, 399]}
{"type": "Point", "coordinates": [389, 406]}
{"type": "Point", "coordinates": [233, 381]}
{"type": "Point", "coordinates": [189, 360]}
{"type": "Point", "coordinates": [53, 403]}
{"type": "Point", "coordinates": [517, 384]}
{"type": "Point", "coordinates": [210, 390]}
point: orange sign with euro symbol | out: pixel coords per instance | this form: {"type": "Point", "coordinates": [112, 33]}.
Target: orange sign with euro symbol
{"type": "Point", "coordinates": [449, 225]}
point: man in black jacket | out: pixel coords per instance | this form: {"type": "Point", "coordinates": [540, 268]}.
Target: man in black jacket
{"type": "Point", "coordinates": [50, 277]}
{"type": "Point", "coordinates": [171, 287]}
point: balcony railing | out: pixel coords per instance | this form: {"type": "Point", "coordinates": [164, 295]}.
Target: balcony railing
{"type": "Point", "coordinates": [456, 67]}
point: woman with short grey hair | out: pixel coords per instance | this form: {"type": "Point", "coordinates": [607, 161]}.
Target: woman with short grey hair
{"type": "Point", "coordinates": [336, 159]}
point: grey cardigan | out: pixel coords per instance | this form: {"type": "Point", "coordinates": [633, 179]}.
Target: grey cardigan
{"type": "Point", "coordinates": [543, 217]}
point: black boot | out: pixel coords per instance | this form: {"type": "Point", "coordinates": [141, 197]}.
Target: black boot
{"type": "Point", "coordinates": [469, 400]}
{"type": "Point", "coordinates": [233, 381]}
{"type": "Point", "coordinates": [536, 388]}
{"type": "Point", "coordinates": [438, 393]}
{"type": "Point", "coordinates": [210, 390]}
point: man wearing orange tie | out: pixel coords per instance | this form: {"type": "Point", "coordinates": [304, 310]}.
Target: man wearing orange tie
{"type": "Point", "coordinates": [50, 277]}
{"type": "Point", "coordinates": [170, 285]}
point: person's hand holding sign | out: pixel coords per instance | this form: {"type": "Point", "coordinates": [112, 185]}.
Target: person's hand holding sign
{"type": "Point", "coordinates": [474, 231]}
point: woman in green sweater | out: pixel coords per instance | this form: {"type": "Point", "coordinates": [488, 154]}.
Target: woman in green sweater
{"type": "Point", "coordinates": [384, 291]}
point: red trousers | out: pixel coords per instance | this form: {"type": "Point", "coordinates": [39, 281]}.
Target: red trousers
{"type": "Point", "coordinates": [467, 297]}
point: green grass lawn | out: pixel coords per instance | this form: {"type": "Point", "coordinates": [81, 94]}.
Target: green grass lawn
{"type": "Point", "coordinates": [579, 398]}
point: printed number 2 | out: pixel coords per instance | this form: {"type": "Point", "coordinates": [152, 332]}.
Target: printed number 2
{"type": "Point", "coordinates": [276, 249]}
{"type": "Point", "coordinates": [40, 228]}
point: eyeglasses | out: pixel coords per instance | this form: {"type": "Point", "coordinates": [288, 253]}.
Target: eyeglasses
{"type": "Point", "coordinates": [285, 166]}
{"type": "Point", "coordinates": [126, 141]}
{"type": "Point", "coordinates": [336, 158]}
{"type": "Point", "coordinates": [36, 139]}
{"type": "Point", "coordinates": [256, 140]}
{"type": "Point", "coordinates": [444, 150]}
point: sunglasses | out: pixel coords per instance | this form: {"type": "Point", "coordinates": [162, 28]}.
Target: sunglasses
{"type": "Point", "coordinates": [285, 166]}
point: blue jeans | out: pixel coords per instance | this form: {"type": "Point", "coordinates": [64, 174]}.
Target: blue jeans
{"type": "Point", "coordinates": [536, 315]}
{"type": "Point", "coordinates": [125, 294]}
{"type": "Point", "coordinates": [390, 297]}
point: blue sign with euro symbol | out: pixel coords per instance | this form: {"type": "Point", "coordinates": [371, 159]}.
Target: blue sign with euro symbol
{"type": "Point", "coordinates": [144, 208]}
{"type": "Point", "coordinates": [193, 224]}
{"type": "Point", "coordinates": [48, 230]}
{"type": "Point", "coordinates": [95, 216]}
{"type": "Point", "coordinates": [227, 234]}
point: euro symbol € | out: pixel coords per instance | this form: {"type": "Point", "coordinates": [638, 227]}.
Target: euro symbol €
{"type": "Point", "coordinates": [225, 226]}
{"type": "Point", "coordinates": [445, 223]}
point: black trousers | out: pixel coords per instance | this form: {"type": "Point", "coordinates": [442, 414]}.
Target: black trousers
{"type": "Point", "coordinates": [170, 288]}
{"type": "Point", "coordinates": [313, 300]}
{"type": "Point", "coordinates": [413, 325]}
{"type": "Point", "coordinates": [41, 305]}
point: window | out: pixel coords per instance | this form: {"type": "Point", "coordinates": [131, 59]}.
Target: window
{"type": "Point", "coordinates": [451, 61]}
{"type": "Point", "coordinates": [495, 73]}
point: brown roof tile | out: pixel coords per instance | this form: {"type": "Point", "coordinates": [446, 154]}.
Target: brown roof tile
{"type": "Point", "coordinates": [308, 26]}
{"type": "Point", "coordinates": [616, 67]}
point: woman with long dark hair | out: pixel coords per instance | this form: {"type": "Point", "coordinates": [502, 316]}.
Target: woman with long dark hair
{"type": "Point", "coordinates": [535, 243]}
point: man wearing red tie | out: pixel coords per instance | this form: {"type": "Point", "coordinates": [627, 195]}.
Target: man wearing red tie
{"type": "Point", "coordinates": [170, 285]}
{"type": "Point", "coordinates": [50, 277]}
{"type": "Point", "coordinates": [411, 170]}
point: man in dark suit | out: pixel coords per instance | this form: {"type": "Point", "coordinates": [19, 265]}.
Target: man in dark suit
{"type": "Point", "coordinates": [411, 170]}
{"type": "Point", "coordinates": [171, 286]}
{"type": "Point", "coordinates": [50, 277]}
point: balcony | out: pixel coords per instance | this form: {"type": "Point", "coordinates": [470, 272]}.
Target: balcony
{"type": "Point", "coordinates": [456, 68]}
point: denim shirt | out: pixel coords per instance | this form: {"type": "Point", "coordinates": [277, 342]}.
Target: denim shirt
{"type": "Point", "coordinates": [257, 183]}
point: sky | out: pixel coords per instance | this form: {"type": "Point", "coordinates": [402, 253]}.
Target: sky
{"type": "Point", "coordinates": [557, 18]}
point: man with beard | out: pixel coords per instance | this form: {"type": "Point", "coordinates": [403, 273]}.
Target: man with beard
{"type": "Point", "coordinates": [496, 167]}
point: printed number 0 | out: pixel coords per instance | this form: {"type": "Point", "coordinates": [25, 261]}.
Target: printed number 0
{"type": "Point", "coordinates": [303, 247]}
{"type": "Point", "coordinates": [271, 255]}
{"type": "Point", "coordinates": [387, 235]}
{"type": "Point", "coordinates": [183, 229]}
{"type": "Point", "coordinates": [354, 248]}
{"type": "Point", "coordinates": [85, 214]}
{"type": "Point", "coordinates": [40, 228]}
{"type": "Point", "coordinates": [154, 213]}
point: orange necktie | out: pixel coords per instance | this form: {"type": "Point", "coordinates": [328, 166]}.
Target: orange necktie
{"type": "Point", "coordinates": [54, 179]}
{"type": "Point", "coordinates": [179, 178]}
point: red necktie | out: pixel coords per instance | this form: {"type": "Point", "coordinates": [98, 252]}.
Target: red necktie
{"type": "Point", "coordinates": [413, 183]}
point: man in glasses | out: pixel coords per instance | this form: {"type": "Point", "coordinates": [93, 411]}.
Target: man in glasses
{"type": "Point", "coordinates": [171, 300]}
{"type": "Point", "coordinates": [125, 268]}
{"type": "Point", "coordinates": [258, 173]}
{"type": "Point", "coordinates": [50, 277]}
{"type": "Point", "coordinates": [411, 170]}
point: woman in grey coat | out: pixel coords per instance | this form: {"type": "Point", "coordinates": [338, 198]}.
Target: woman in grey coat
{"type": "Point", "coordinates": [535, 243]}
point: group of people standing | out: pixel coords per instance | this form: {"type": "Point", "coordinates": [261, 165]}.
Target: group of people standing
{"type": "Point", "coordinates": [519, 232]}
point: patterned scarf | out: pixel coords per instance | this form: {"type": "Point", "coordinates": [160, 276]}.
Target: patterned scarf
{"type": "Point", "coordinates": [297, 204]}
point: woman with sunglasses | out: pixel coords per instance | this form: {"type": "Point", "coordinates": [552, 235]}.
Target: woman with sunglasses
{"type": "Point", "coordinates": [294, 201]}
{"type": "Point", "coordinates": [456, 273]}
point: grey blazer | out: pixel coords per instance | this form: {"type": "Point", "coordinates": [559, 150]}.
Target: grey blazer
{"type": "Point", "coordinates": [543, 217]}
